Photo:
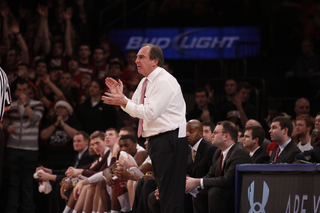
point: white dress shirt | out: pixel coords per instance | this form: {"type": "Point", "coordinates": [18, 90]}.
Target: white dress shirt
{"type": "Point", "coordinates": [164, 107]}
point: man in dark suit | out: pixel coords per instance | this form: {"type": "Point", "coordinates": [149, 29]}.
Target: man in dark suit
{"type": "Point", "coordinates": [280, 132]}
{"type": "Point", "coordinates": [217, 187]}
{"type": "Point", "coordinates": [200, 156]}
{"type": "Point", "coordinates": [253, 139]}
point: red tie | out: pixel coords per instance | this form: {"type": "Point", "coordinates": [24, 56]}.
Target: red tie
{"type": "Point", "coordinates": [221, 158]}
{"type": "Point", "coordinates": [143, 91]}
{"type": "Point", "coordinates": [277, 153]}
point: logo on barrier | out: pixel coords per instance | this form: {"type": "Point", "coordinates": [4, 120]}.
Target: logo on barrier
{"type": "Point", "coordinates": [265, 196]}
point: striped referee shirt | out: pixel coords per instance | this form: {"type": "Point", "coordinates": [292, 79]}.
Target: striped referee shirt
{"type": "Point", "coordinates": [5, 96]}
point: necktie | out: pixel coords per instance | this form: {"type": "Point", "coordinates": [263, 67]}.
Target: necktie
{"type": "Point", "coordinates": [193, 154]}
{"type": "Point", "coordinates": [143, 91]}
{"type": "Point", "coordinates": [277, 153]}
{"type": "Point", "coordinates": [77, 162]}
{"type": "Point", "coordinates": [220, 167]}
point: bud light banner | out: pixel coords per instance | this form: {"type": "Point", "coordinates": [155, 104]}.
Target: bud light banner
{"type": "Point", "coordinates": [188, 43]}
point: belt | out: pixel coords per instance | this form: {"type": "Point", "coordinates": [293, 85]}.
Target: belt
{"type": "Point", "coordinates": [154, 136]}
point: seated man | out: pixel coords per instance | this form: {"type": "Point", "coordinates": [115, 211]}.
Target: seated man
{"type": "Point", "coordinates": [127, 143]}
{"type": "Point", "coordinates": [80, 144]}
{"type": "Point", "coordinates": [253, 138]}
{"type": "Point", "coordinates": [280, 132]}
{"type": "Point", "coordinates": [304, 126]}
{"type": "Point", "coordinates": [101, 144]}
{"type": "Point", "coordinates": [265, 141]}
{"type": "Point", "coordinates": [313, 155]}
{"type": "Point", "coordinates": [217, 187]}
{"type": "Point", "coordinates": [208, 128]}
{"type": "Point", "coordinates": [83, 158]}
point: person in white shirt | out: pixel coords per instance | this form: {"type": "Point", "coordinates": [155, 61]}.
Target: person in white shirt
{"type": "Point", "coordinates": [304, 126]}
{"type": "Point", "coordinates": [159, 103]}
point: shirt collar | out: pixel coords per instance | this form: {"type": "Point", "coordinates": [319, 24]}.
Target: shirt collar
{"type": "Point", "coordinates": [196, 146]}
{"type": "Point", "coordinates": [252, 153]}
{"type": "Point", "coordinates": [154, 74]}
{"type": "Point", "coordinates": [80, 154]}
{"type": "Point", "coordinates": [284, 145]}
{"type": "Point", "coordinates": [225, 152]}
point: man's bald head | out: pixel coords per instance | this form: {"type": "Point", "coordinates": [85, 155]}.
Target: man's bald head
{"type": "Point", "coordinates": [195, 124]}
{"type": "Point", "coordinates": [253, 122]}
{"type": "Point", "coordinates": [194, 131]}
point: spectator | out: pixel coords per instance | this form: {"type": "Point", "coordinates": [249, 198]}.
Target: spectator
{"type": "Point", "coordinates": [240, 110]}
{"type": "Point", "coordinates": [203, 111]}
{"type": "Point", "coordinates": [100, 62]}
{"type": "Point", "coordinates": [307, 65]}
{"type": "Point", "coordinates": [302, 106]}
{"type": "Point", "coordinates": [84, 60]}
{"type": "Point", "coordinates": [230, 88]}
{"type": "Point", "coordinates": [93, 113]}
{"type": "Point", "coordinates": [22, 124]}
{"type": "Point", "coordinates": [115, 70]}
{"type": "Point", "coordinates": [73, 68]}
{"type": "Point", "coordinates": [58, 134]}
{"type": "Point", "coordinates": [313, 155]}
{"type": "Point", "coordinates": [131, 67]}
{"type": "Point", "coordinates": [67, 87]}
{"type": "Point", "coordinates": [317, 120]}
{"type": "Point", "coordinates": [304, 126]}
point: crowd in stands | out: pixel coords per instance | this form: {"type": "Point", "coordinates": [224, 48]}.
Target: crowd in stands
{"type": "Point", "coordinates": [89, 151]}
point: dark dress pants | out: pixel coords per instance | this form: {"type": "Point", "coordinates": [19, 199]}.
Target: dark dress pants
{"type": "Point", "coordinates": [169, 164]}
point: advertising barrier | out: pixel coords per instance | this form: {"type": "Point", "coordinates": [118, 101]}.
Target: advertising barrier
{"type": "Point", "coordinates": [285, 188]}
{"type": "Point", "coordinates": [188, 43]}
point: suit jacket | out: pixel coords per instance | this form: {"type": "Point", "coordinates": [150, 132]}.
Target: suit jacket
{"type": "Point", "coordinates": [260, 156]}
{"type": "Point", "coordinates": [203, 159]}
{"type": "Point", "coordinates": [287, 155]}
{"type": "Point", "coordinates": [236, 155]}
{"type": "Point", "coordinates": [85, 159]}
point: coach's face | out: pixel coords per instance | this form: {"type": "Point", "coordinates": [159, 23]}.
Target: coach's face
{"type": "Point", "coordinates": [145, 65]}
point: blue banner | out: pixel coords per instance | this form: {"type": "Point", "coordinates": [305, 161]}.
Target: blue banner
{"type": "Point", "coordinates": [189, 43]}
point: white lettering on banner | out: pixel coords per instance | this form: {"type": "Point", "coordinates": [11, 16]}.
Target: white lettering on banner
{"type": "Point", "coordinates": [135, 42]}
{"type": "Point", "coordinates": [183, 42]}
{"type": "Point", "coordinates": [315, 207]}
{"type": "Point", "coordinates": [296, 204]}
{"type": "Point", "coordinates": [288, 205]}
